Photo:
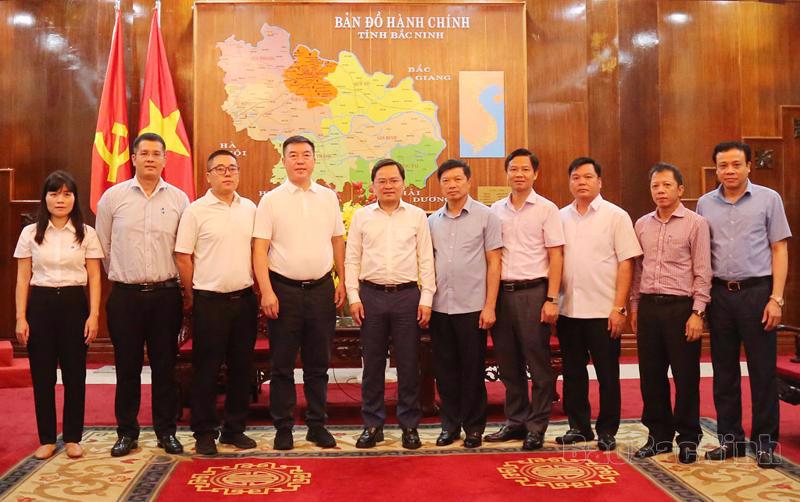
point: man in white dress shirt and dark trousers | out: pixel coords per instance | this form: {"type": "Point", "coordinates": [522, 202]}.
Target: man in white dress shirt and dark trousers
{"type": "Point", "coordinates": [598, 268]}
{"type": "Point", "coordinates": [137, 221]}
{"type": "Point", "coordinates": [389, 252]}
{"type": "Point", "coordinates": [299, 238]}
{"type": "Point", "coordinates": [213, 254]}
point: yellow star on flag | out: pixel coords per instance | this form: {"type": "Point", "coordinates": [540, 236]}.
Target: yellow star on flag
{"type": "Point", "coordinates": [166, 127]}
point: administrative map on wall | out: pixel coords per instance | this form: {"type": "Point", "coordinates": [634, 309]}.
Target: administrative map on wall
{"type": "Point", "coordinates": [354, 118]}
{"type": "Point", "coordinates": [364, 82]}
{"type": "Point", "coordinates": [481, 104]}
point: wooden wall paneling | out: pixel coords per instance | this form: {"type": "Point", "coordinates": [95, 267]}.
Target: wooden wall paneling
{"type": "Point", "coordinates": [640, 120]}
{"type": "Point", "coordinates": [790, 129]}
{"type": "Point", "coordinates": [557, 91]}
{"type": "Point", "coordinates": [604, 104]}
{"type": "Point", "coordinates": [700, 90]}
{"type": "Point", "coordinates": [769, 72]}
{"type": "Point", "coordinates": [767, 165]}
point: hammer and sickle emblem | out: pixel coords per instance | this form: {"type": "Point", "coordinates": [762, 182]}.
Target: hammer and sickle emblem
{"type": "Point", "coordinates": [113, 158]}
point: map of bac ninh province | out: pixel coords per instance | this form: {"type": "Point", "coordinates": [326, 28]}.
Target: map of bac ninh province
{"type": "Point", "coordinates": [275, 90]}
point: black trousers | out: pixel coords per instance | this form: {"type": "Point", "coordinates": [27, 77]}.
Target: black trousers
{"type": "Point", "coordinates": [459, 355]}
{"type": "Point", "coordinates": [137, 319]}
{"type": "Point", "coordinates": [56, 317]}
{"type": "Point", "coordinates": [661, 344]}
{"type": "Point", "coordinates": [306, 323]}
{"type": "Point", "coordinates": [223, 330]}
{"type": "Point", "coordinates": [390, 317]}
{"type": "Point", "coordinates": [735, 318]}
{"type": "Point", "coordinates": [580, 338]}
{"type": "Point", "coordinates": [521, 340]}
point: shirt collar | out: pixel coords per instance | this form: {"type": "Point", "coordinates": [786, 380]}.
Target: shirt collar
{"type": "Point", "coordinates": [720, 193]}
{"type": "Point", "coordinates": [210, 199]}
{"type": "Point", "coordinates": [679, 212]}
{"type": "Point", "coordinates": [403, 205]}
{"type": "Point", "coordinates": [69, 226]}
{"type": "Point", "coordinates": [467, 207]}
{"type": "Point", "coordinates": [161, 184]}
{"type": "Point", "coordinates": [294, 188]}
{"type": "Point", "coordinates": [531, 199]}
{"type": "Point", "coordinates": [594, 205]}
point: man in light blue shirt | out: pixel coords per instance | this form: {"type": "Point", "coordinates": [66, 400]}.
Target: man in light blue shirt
{"type": "Point", "coordinates": [749, 259]}
{"type": "Point", "coordinates": [467, 243]}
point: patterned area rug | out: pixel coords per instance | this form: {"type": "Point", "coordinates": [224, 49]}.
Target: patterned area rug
{"type": "Point", "coordinates": [494, 472]}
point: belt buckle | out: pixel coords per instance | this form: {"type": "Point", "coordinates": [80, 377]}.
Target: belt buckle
{"type": "Point", "coordinates": [305, 284]}
{"type": "Point", "coordinates": [235, 297]}
{"type": "Point", "coordinates": [733, 286]}
{"type": "Point", "coordinates": [147, 287]}
{"type": "Point", "coordinates": [508, 286]}
{"type": "Point", "coordinates": [390, 288]}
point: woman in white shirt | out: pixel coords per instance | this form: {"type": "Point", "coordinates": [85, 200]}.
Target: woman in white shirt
{"type": "Point", "coordinates": [56, 257]}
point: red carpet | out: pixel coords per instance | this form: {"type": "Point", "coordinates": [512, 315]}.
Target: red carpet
{"type": "Point", "coordinates": [13, 372]}
{"type": "Point", "coordinates": [484, 477]}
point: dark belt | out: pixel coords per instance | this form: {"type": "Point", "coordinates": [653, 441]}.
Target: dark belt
{"type": "Point", "coordinates": [233, 295]}
{"type": "Point", "coordinates": [664, 299]}
{"type": "Point", "coordinates": [147, 286]}
{"type": "Point", "coordinates": [741, 284]}
{"type": "Point", "coordinates": [298, 284]}
{"type": "Point", "coordinates": [389, 288]}
{"type": "Point", "coordinates": [510, 286]}
{"type": "Point", "coordinates": [56, 291]}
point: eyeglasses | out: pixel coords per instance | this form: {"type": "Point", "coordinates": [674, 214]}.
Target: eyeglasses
{"type": "Point", "coordinates": [222, 170]}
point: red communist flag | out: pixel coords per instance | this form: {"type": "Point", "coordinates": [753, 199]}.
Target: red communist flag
{"type": "Point", "coordinates": [110, 157]}
{"type": "Point", "coordinates": [160, 113]}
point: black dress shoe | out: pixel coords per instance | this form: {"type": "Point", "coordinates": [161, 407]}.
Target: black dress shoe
{"type": "Point", "coordinates": [766, 459]}
{"type": "Point", "coordinates": [170, 444]}
{"type": "Point", "coordinates": [606, 442]}
{"type": "Point", "coordinates": [505, 433]}
{"type": "Point", "coordinates": [725, 451]}
{"type": "Point", "coordinates": [320, 436]}
{"type": "Point", "coordinates": [283, 439]}
{"type": "Point", "coordinates": [447, 437]}
{"type": "Point", "coordinates": [651, 448]}
{"type": "Point", "coordinates": [411, 439]}
{"type": "Point", "coordinates": [533, 441]}
{"type": "Point", "coordinates": [687, 453]}
{"type": "Point", "coordinates": [123, 446]}
{"type": "Point", "coordinates": [472, 440]}
{"type": "Point", "coordinates": [370, 437]}
{"type": "Point", "coordinates": [205, 445]}
{"type": "Point", "coordinates": [238, 439]}
{"type": "Point", "coordinates": [573, 436]}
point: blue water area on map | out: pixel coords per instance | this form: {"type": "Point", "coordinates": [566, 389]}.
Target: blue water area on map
{"type": "Point", "coordinates": [496, 108]}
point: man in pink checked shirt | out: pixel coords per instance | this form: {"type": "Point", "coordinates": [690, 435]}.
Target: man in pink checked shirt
{"type": "Point", "coordinates": [670, 291]}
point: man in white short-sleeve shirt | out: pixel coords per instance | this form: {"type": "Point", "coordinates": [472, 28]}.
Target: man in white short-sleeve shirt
{"type": "Point", "coordinates": [213, 254]}
{"type": "Point", "coordinates": [299, 238]}
{"type": "Point", "coordinates": [598, 268]}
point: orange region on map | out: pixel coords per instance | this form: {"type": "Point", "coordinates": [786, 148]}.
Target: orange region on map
{"type": "Point", "coordinates": [306, 77]}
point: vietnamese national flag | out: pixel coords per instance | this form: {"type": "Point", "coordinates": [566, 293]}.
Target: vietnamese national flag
{"type": "Point", "coordinates": [110, 157]}
{"type": "Point", "coordinates": [160, 114]}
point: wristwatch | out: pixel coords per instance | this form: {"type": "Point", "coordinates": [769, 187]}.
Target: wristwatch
{"type": "Point", "coordinates": [779, 300]}
{"type": "Point", "coordinates": [699, 313]}
{"type": "Point", "coordinates": [621, 310]}
{"type": "Point", "coordinates": [551, 299]}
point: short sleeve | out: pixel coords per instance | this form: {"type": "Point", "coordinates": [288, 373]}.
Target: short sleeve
{"type": "Point", "coordinates": [186, 239]}
{"type": "Point", "coordinates": [25, 242]}
{"type": "Point", "coordinates": [338, 229]}
{"type": "Point", "coordinates": [91, 243]}
{"type": "Point", "coordinates": [553, 228]}
{"type": "Point", "coordinates": [262, 229]}
{"type": "Point", "coordinates": [493, 237]}
{"type": "Point", "coordinates": [777, 224]}
{"type": "Point", "coordinates": [626, 245]}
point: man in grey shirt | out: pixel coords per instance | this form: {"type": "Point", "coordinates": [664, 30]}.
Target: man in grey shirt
{"type": "Point", "coordinates": [467, 246]}
{"type": "Point", "coordinates": [137, 221]}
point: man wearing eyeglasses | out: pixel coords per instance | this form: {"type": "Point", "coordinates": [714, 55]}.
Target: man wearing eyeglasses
{"type": "Point", "coordinates": [299, 236]}
{"type": "Point", "coordinates": [213, 253]}
{"type": "Point", "coordinates": [389, 258]}
{"type": "Point", "coordinates": [136, 223]}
